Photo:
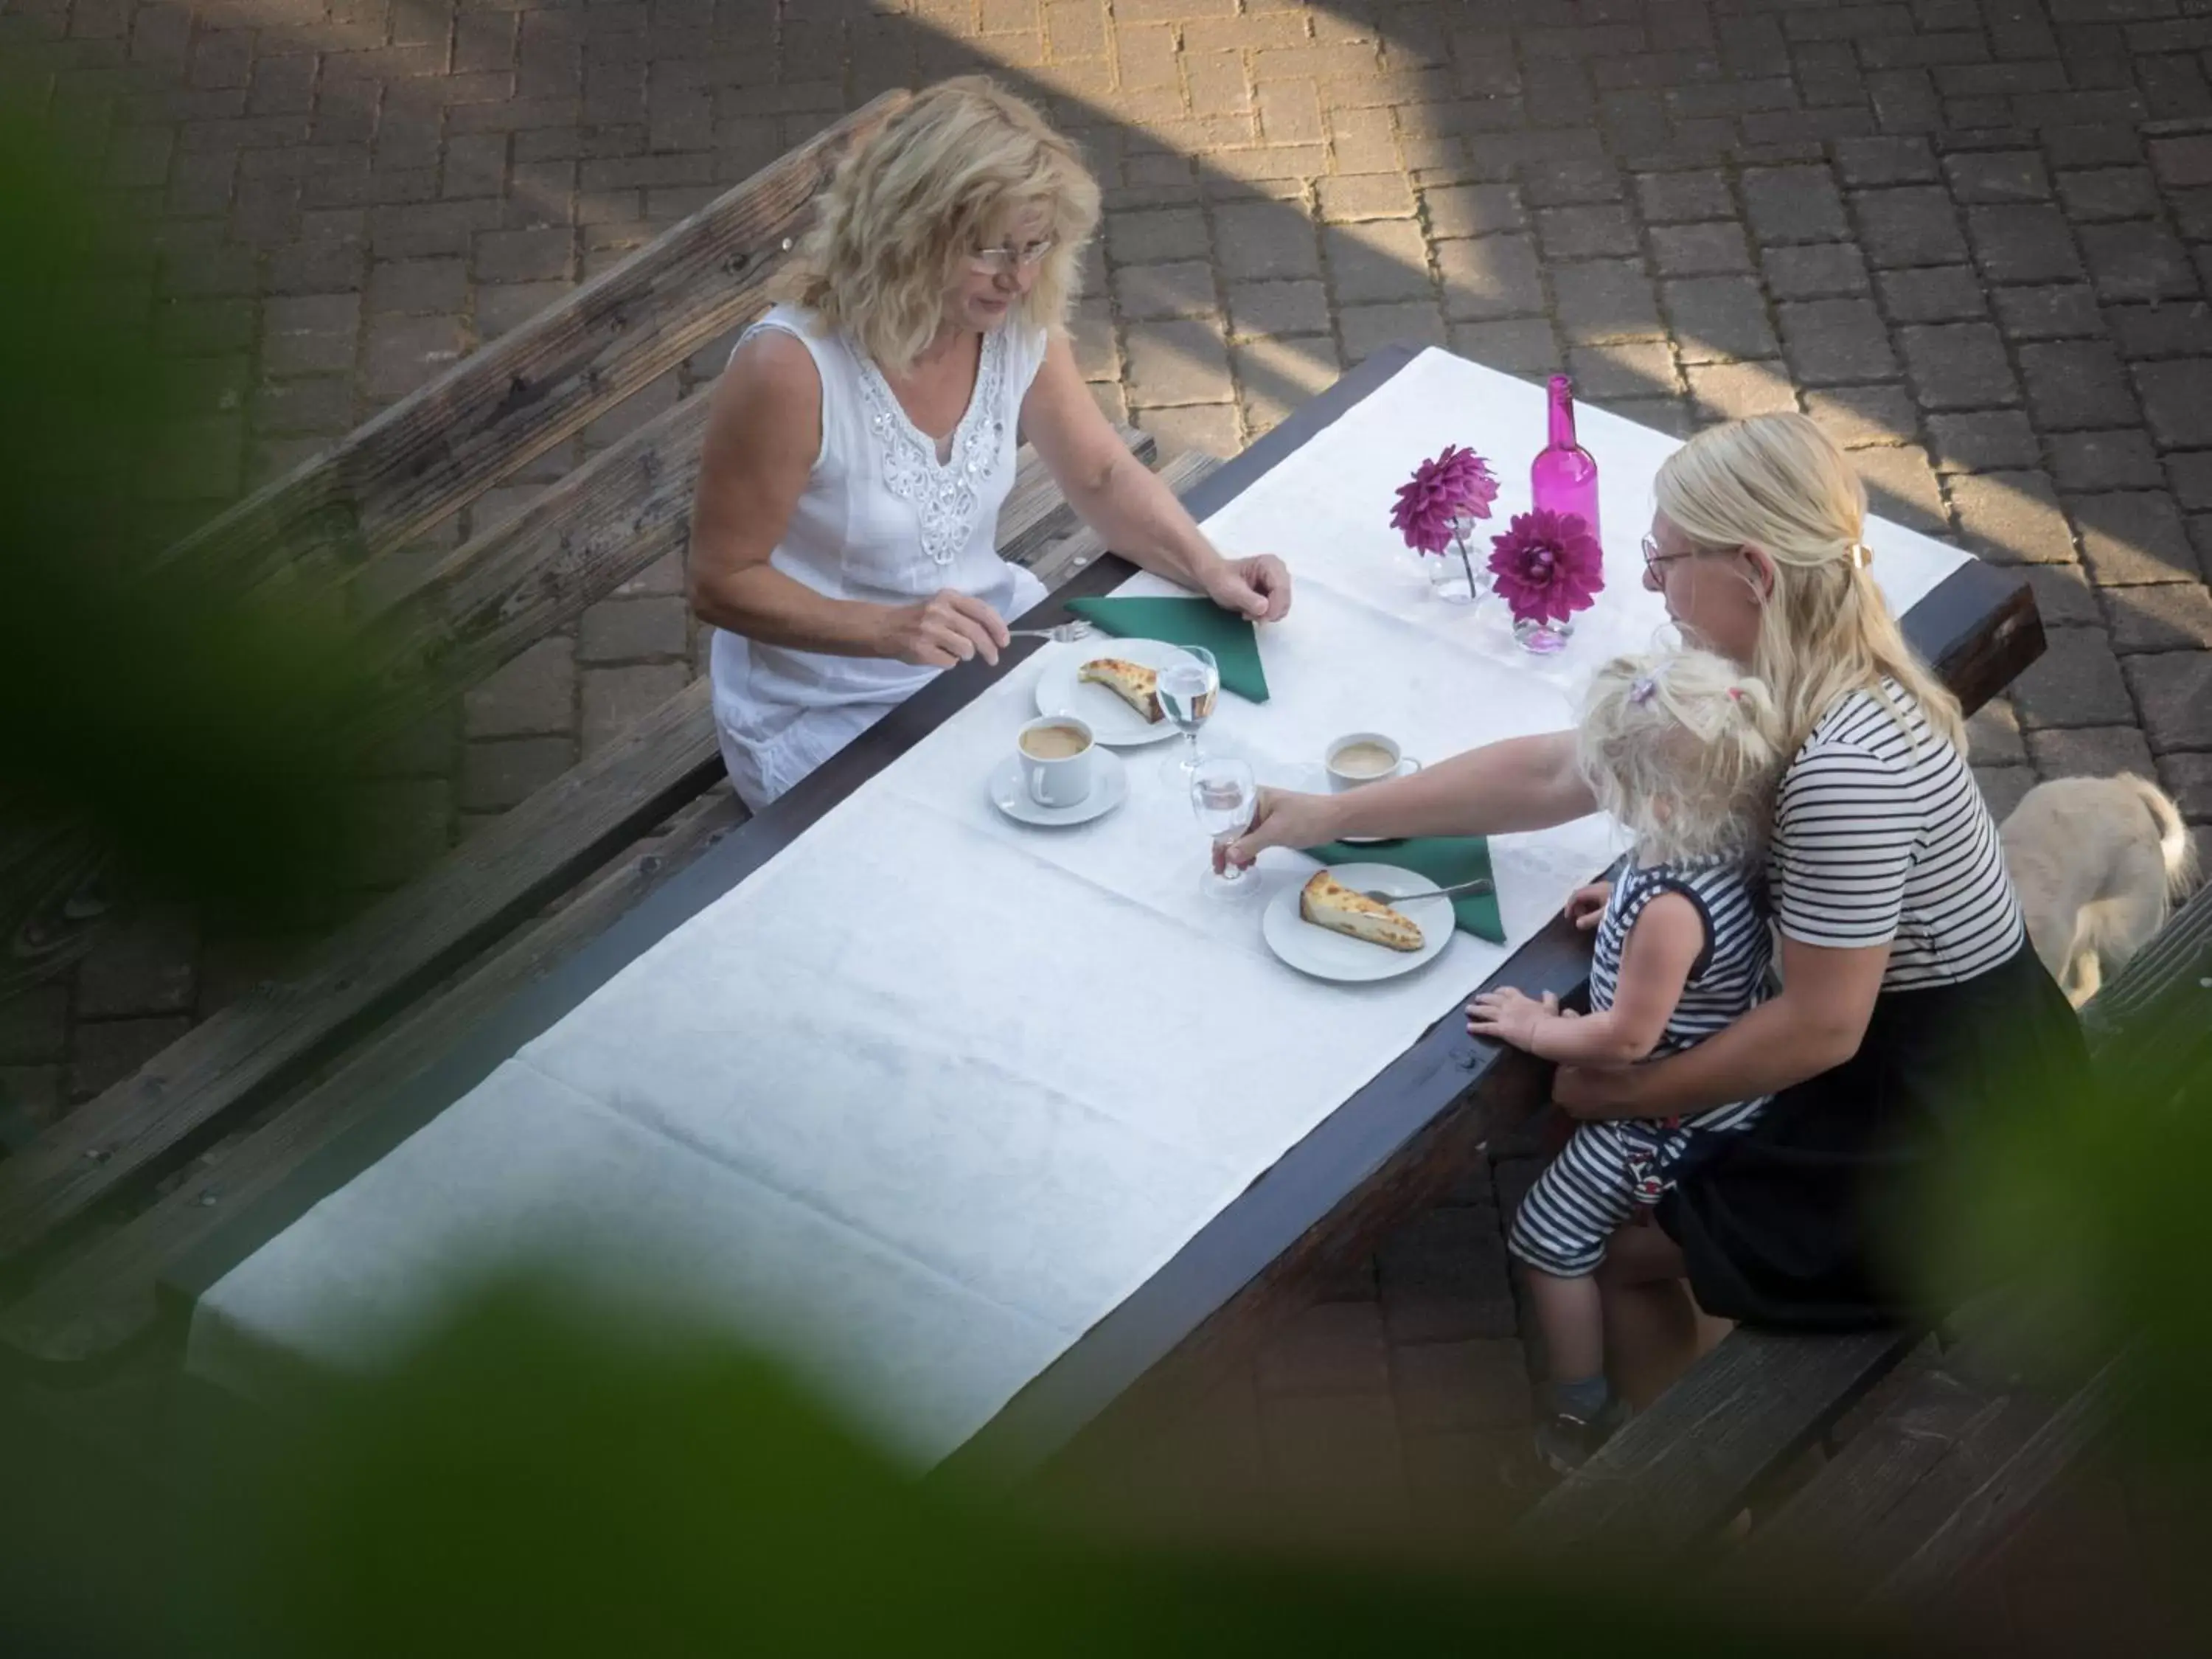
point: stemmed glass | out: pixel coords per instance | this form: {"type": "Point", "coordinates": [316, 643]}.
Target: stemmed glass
{"type": "Point", "coordinates": [1223, 795]}
{"type": "Point", "coordinates": [1187, 686]}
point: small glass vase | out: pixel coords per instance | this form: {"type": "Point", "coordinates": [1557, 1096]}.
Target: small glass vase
{"type": "Point", "coordinates": [1458, 575]}
{"type": "Point", "coordinates": [1543, 638]}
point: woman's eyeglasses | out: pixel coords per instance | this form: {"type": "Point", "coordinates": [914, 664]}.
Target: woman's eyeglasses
{"type": "Point", "coordinates": [1005, 261]}
{"type": "Point", "coordinates": [1656, 562]}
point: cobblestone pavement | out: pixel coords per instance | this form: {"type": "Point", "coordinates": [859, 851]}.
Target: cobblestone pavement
{"type": "Point", "coordinates": [1971, 237]}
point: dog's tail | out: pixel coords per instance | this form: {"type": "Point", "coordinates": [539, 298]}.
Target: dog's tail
{"type": "Point", "coordinates": [2173, 842]}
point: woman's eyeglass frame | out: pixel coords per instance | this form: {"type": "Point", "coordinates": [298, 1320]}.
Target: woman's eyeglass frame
{"type": "Point", "coordinates": [1656, 563]}
{"type": "Point", "coordinates": [1005, 261]}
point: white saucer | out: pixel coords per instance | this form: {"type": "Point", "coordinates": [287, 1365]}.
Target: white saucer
{"type": "Point", "coordinates": [1110, 719]}
{"type": "Point", "coordinates": [1109, 787]}
{"type": "Point", "coordinates": [1327, 955]}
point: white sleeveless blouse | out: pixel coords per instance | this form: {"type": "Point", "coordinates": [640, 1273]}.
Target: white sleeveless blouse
{"type": "Point", "coordinates": [882, 520]}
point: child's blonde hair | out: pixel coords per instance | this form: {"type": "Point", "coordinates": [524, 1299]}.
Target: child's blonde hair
{"type": "Point", "coordinates": [1778, 483]}
{"type": "Point", "coordinates": [1683, 749]}
{"type": "Point", "coordinates": [925, 191]}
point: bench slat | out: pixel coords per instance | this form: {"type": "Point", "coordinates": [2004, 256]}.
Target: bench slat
{"type": "Point", "coordinates": [104, 1296]}
{"type": "Point", "coordinates": [440, 447]}
{"type": "Point", "coordinates": [259, 1045]}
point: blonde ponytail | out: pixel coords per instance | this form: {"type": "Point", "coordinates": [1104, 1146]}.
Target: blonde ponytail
{"type": "Point", "coordinates": [1778, 484]}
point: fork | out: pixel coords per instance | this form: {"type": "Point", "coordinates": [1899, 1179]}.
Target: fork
{"type": "Point", "coordinates": [1480, 884]}
{"type": "Point", "coordinates": [1066, 634]}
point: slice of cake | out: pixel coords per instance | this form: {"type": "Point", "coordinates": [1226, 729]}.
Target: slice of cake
{"type": "Point", "coordinates": [1328, 902]}
{"type": "Point", "coordinates": [1134, 684]}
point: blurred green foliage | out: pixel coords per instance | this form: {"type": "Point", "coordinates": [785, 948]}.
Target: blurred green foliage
{"type": "Point", "coordinates": [188, 716]}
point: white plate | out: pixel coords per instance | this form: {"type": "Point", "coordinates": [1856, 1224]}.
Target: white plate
{"type": "Point", "coordinates": [1109, 787]}
{"type": "Point", "coordinates": [1327, 955]}
{"type": "Point", "coordinates": [1112, 721]}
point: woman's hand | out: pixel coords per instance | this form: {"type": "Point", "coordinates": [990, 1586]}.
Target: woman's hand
{"type": "Point", "coordinates": [1586, 905]}
{"type": "Point", "coordinates": [1585, 1093]}
{"type": "Point", "coordinates": [1509, 1016]}
{"type": "Point", "coordinates": [1257, 587]}
{"type": "Point", "coordinates": [943, 629]}
{"type": "Point", "coordinates": [1282, 817]}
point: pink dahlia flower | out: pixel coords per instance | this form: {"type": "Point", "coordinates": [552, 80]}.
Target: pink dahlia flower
{"type": "Point", "coordinates": [1547, 566]}
{"type": "Point", "coordinates": [1456, 484]}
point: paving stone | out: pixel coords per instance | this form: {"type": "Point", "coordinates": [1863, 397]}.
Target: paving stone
{"type": "Point", "coordinates": [1275, 375]}
{"type": "Point", "coordinates": [104, 1052]}
{"type": "Point", "coordinates": [1719, 317]}
{"type": "Point", "coordinates": [1605, 300]}
{"type": "Point", "coordinates": [633, 630]}
{"type": "Point", "coordinates": [1146, 293]}
{"type": "Point", "coordinates": [1587, 231]}
{"type": "Point", "coordinates": [1730, 391]}
{"type": "Point", "coordinates": [1678, 197]}
{"type": "Point", "coordinates": [2188, 779]}
{"type": "Point", "coordinates": [2168, 329]}
{"type": "Point", "coordinates": [1150, 238]}
{"type": "Point", "coordinates": [2003, 787]}
{"type": "Point", "coordinates": [1958, 366]}
{"type": "Point", "coordinates": [1902, 487]}
{"type": "Point", "coordinates": [1332, 1347]}
{"type": "Point", "coordinates": [2169, 617]}
{"type": "Point", "coordinates": [531, 696]}
{"type": "Point", "coordinates": [1269, 240]}
{"type": "Point", "coordinates": [1442, 1277]}
{"type": "Point", "coordinates": [1696, 249]}
{"type": "Point", "coordinates": [1814, 270]}
{"type": "Point", "coordinates": [2022, 243]}
{"type": "Point", "coordinates": [2091, 752]}
{"type": "Point", "coordinates": [1891, 161]}
{"type": "Point", "coordinates": [1206, 428]}
{"type": "Point", "coordinates": [1367, 329]}
{"type": "Point", "coordinates": [402, 353]}
{"type": "Point", "coordinates": [309, 334]}
{"type": "Point", "coordinates": [2076, 682]}
{"type": "Point", "coordinates": [1338, 1457]}
{"type": "Point", "coordinates": [2133, 536]}
{"type": "Point", "coordinates": [2012, 517]}
{"type": "Point", "coordinates": [2173, 689]}
{"type": "Point", "coordinates": [1628, 369]}
{"type": "Point", "coordinates": [2076, 383]}
{"type": "Point", "coordinates": [1523, 345]}
{"type": "Point", "coordinates": [2048, 313]}
{"type": "Point", "coordinates": [2138, 259]}
{"type": "Point", "coordinates": [1910, 225]}
{"type": "Point", "coordinates": [437, 285]}
{"type": "Point", "coordinates": [1834, 340]}
{"type": "Point", "coordinates": [503, 773]}
{"type": "Point", "coordinates": [2064, 596]}
{"type": "Point", "coordinates": [2191, 475]}
{"type": "Point", "coordinates": [2011, 175]}
{"type": "Point", "coordinates": [1490, 277]}
{"type": "Point", "coordinates": [1794, 204]}
{"type": "Point", "coordinates": [147, 964]}
{"type": "Point", "coordinates": [1177, 362]}
{"type": "Point", "coordinates": [2108, 193]}
{"type": "Point", "coordinates": [1368, 263]}
{"type": "Point", "coordinates": [1278, 309]}
{"type": "Point", "coordinates": [1934, 294]}
{"type": "Point", "coordinates": [2119, 459]}
{"type": "Point", "coordinates": [1993, 735]}
{"type": "Point", "coordinates": [2177, 398]}
{"type": "Point", "coordinates": [1474, 1384]}
{"type": "Point", "coordinates": [1472, 210]}
{"type": "Point", "coordinates": [1857, 416]}
{"type": "Point", "coordinates": [35, 1024]}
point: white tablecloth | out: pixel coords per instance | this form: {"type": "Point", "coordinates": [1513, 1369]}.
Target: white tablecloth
{"type": "Point", "coordinates": [930, 1092]}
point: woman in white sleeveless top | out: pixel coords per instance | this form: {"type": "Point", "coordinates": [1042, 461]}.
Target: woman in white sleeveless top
{"type": "Point", "coordinates": [862, 440]}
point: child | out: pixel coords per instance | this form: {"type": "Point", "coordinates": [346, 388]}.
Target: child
{"type": "Point", "coordinates": [1682, 750]}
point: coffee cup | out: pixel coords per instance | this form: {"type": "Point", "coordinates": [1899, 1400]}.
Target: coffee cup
{"type": "Point", "coordinates": [1055, 751]}
{"type": "Point", "coordinates": [1360, 758]}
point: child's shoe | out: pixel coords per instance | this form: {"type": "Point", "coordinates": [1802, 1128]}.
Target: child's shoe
{"type": "Point", "coordinates": [1566, 1440]}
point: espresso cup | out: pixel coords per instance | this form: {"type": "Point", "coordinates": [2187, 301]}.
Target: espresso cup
{"type": "Point", "coordinates": [1055, 751]}
{"type": "Point", "coordinates": [1360, 758]}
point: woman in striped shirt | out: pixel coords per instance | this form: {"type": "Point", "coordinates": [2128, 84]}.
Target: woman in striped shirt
{"type": "Point", "coordinates": [1910, 1003]}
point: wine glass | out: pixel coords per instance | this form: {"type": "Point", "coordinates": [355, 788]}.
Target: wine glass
{"type": "Point", "coordinates": [1224, 794]}
{"type": "Point", "coordinates": [1187, 686]}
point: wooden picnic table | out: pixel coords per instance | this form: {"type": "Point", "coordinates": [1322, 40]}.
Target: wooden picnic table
{"type": "Point", "coordinates": [1391, 1148]}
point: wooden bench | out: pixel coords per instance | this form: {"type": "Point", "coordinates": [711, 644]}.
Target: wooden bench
{"type": "Point", "coordinates": [85, 1230]}
{"type": "Point", "coordinates": [1940, 1468]}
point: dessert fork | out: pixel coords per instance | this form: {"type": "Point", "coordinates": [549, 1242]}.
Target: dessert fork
{"type": "Point", "coordinates": [1066, 634]}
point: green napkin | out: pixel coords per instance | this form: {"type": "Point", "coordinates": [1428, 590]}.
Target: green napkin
{"type": "Point", "coordinates": [1444, 860]}
{"type": "Point", "coordinates": [1234, 646]}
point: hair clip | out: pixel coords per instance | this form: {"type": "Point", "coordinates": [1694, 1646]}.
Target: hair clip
{"type": "Point", "coordinates": [1735, 693]}
{"type": "Point", "coordinates": [1642, 688]}
{"type": "Point", "coordinates": [1861, 555]}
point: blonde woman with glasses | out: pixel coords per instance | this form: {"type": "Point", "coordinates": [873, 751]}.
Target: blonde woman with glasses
{"type": "Point", "coordinates": [861, 441]}
{"type": "Point", "coordinates": [1910, 1003]}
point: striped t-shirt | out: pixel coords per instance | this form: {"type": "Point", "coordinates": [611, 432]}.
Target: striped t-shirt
{"type": "Point", "coordinates": [1881, 836]}
{"type": "Point", "coordinates": [1729, 974]}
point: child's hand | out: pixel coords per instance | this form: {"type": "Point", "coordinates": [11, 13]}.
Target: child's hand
{"type": "Point", "coordinates": [1586, 904]}
{"type": "Point", "coordinates": [1507, 1015]}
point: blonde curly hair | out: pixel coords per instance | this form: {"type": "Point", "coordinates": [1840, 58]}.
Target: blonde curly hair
{"type": "Point", "coordinates": [1683, 749]}
{"type": "Point", "coordinates": [935, 184]}
{"type": "Point", "coordinates": [1778, 483]}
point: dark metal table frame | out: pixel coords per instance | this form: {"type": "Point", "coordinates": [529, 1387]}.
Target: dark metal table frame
{"type": "Point", "coordinates": [1392, 1149]}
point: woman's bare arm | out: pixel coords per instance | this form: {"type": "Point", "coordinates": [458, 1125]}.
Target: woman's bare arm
{"type": "Point", "coordinates": [1815, 1026]}
{"type": "Point", "coordinates": [763, 432]}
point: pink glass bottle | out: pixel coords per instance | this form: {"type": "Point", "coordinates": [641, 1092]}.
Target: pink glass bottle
{"type": "Point", "coordinates": [1563, 477]}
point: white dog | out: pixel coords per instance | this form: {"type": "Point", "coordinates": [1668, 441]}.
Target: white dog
{"type": "Point", "coordinates": [2098, 863]}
